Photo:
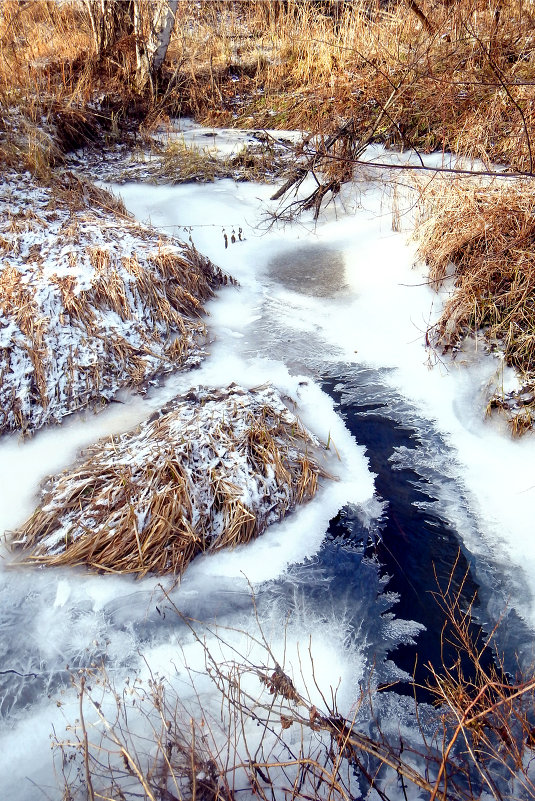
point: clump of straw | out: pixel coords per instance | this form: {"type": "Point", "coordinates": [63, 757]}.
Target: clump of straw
{"type": "Point", "coordinates": [212, 470]}
{"type": "Point", "coordinates": [484, 237]}
{"type": "Point", "coordinates": [89, 300]}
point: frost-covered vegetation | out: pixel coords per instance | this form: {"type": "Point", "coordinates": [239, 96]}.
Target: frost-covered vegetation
{"type": "Point", "coordinates": [419, 76]}
{"type": "Point", "coordinates": [92, 302]}
{"type": "Point", "coordinates": [484, 237]}
{"type": "Point", "coordinates": [211, 471]}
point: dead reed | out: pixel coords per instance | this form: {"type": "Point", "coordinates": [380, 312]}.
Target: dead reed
{"type": "Point", "coordinates": [211, 471]}
{"type": "Point", "coordinates": [454, 76]}
{"type": "Point", "coordinates": [423, 75]}
{"type": "Point", "coordinates": [274, 731]}
{"type": "Point", "coordinates": [487, 719]}
{"type": "Point", "coordinates": [260, 160]}
{"type": "Point", "coordinates": [484, 237]}
{"type": "Point", "coordinates": [90, 300]}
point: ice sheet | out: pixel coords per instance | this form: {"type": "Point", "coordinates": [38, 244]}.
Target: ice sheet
{"type": "Point", "coordinates": [379, 319]}
{"type": "Point", "coordinates": [373, 310]}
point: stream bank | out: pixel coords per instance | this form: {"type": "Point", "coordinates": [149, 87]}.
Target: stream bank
{"type": "Point", "coordinates": [418, 471]}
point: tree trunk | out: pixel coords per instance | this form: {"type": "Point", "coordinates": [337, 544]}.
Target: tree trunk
{"type": "Point", "coordinates": [110, 20]}
{"type": "Point", "coordinates": [164, 21]}
{"type": "Point", "coordinates": [152, 44]}
{"type": "Point", "coordinates": [428, 26]}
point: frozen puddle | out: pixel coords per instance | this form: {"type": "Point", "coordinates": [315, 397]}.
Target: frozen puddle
{"type": "Point", "coordinates": [335, 317]}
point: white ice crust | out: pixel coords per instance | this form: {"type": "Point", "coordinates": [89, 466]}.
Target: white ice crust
{"type": "Point", "coordinates": [378, 318]}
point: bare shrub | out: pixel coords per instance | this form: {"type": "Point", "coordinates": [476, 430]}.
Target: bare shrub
{"type": "Point", "coordinates": [264, 735]}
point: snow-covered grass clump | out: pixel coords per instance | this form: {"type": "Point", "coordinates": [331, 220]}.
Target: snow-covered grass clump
{"type": "Point", "coordinates": [90, 301]}
{"type": "Point", "coordinates": [213, 469]}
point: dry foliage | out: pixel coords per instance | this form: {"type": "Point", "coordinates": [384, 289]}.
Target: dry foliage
{"type": "Point", "coordinates": [462, 82]}
{"type": "Point", "coordinates": [450, 75]}
{"type": "Point", "coordinates": [484, 236]}
{"type": "Point", "coordinates": [90, 300]}
{"type": "Point", "coordinates": [264, 734]}
{"type": "Point", "coordinates": [211, 471]}
{"type": "Point", "coordinates": [488, 719]}
{"type": "Point", "coordinates": [46, 84]}
{"type": "Point", "coordinates": [261, 160]}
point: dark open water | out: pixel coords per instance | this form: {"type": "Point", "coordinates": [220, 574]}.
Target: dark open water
{"type": "Point", "coordinates": [384, 571]}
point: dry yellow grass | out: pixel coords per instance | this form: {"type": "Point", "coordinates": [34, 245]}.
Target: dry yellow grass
{"type": "Point", "coordinates": [45, 82]}
{"type": "Point", "coordinates": [90, 300]}
{"type": "Point", "coordinates": [448, 75]}
{"type": "Point", "coordinates": [457, 76]}
{"type": "Point", "coordinates": [462, 83]}
{"type": "Point", "coordinates": [486, 234]}
{"type": "Point", "coordinates": [211, 471]}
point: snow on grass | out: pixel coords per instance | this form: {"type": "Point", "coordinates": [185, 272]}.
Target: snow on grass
{"type": "Point", "coordinates": [90, 300]}
{"type": "Point", "coordinates": [212, 470]}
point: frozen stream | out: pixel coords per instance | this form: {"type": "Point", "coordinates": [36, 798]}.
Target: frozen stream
{"type": "Point", "coordinates": [335, 316]}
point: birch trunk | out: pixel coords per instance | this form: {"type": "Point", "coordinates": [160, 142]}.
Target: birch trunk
{"type": "Point", "coordinates": [152, 44]}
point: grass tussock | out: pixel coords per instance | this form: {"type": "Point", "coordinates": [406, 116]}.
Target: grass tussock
{"type": "Point", "coordinates": [484, 238]}
{"type": "Point", "coordinates": [90, 301]}
{"type": "Point", "coordinates": [211, 471]}
{"type": "Point", "coordinates": [171, 160]}
{"type": "Point", "coordinates": [182, 163]}
{"type": "Point", "coordinates": [260, 160]}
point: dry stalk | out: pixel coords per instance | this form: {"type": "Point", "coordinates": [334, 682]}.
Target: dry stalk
{"type": "Point", "coordinates": [212, 471]}
{"type": "Point", "coordinates": [491, 713]}
{"type": "Point", "coordinates": [483, 237]}
{"type": "Point", "coordinates": [263, 733]}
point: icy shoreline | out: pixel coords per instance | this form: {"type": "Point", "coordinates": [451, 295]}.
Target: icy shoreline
{"type": "Point", "coordinates": [268, 329]}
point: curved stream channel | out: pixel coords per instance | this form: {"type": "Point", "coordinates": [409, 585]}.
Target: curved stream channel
{"type": "Point", "coordinates": [334, 316]}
